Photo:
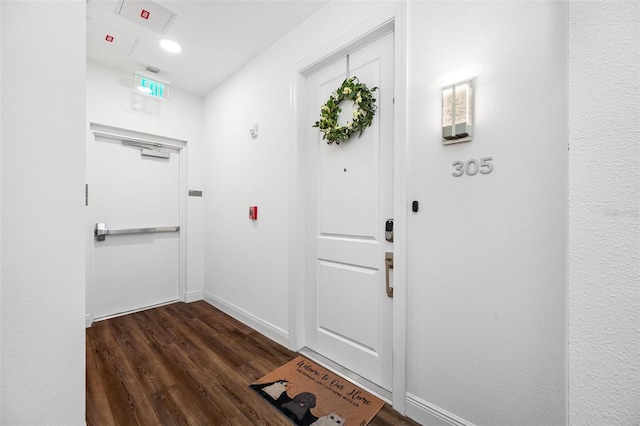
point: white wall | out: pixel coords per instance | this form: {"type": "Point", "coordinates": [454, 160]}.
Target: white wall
{"type": "Point", "coordinates": [486, 324]}
{"type": "Point", "coordinates": [486, 336]}
{"type": "Point", "coordinates": [112, 101]}
{"type": "Point", "coordinates": [43, 119]}
{"type": "Point", "coordinates": [604, 200]}
{"type": "Point", "coordinates": [247, 263]}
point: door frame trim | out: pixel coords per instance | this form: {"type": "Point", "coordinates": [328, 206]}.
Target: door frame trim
{"type": "Point", "coordinates": [116, 133]}
{"type": "Point", "coordinates": [391, 19]}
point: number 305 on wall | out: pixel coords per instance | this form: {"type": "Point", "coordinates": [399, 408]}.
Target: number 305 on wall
{"type": "Point", "coordinates": [472, 167]}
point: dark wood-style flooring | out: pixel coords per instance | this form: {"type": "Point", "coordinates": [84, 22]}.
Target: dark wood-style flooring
{"type": "Point", "coordinates": [184, 364]}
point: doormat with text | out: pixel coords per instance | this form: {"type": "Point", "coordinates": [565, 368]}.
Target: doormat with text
{"type": "Point", "coordinates": [309, 394]}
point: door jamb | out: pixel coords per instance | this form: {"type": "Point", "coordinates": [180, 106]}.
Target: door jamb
{"type": "Point", "coordinates": [116, 133]}
{"type": "Point", "coordinates": [390, 19]}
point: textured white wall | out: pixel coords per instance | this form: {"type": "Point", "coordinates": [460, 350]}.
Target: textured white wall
{"type": "Point", "coordinates": [487, 252]}
{"type": "Point", "coordinates": [43, 113]}
{"type": "Point", "coordinates": [604, 200]}
{"type": "Point", "coordinates": [112, 101]}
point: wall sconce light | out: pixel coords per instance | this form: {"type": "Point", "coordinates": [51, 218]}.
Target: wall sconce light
{"type": "Point", "coordinates": [457, 112]}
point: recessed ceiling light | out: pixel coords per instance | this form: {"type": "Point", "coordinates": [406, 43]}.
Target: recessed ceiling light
{"type": "Point", "coordinates": [170, 46]}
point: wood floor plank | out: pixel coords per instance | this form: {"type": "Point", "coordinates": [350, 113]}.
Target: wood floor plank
{"type": "Point", "coordinates": [184, 364]}
{"type": "Point", "coordinates": [223, 381]}
{"type": "Point", "coordinates": [128, 403]}
{"type": "Point", "coordinates": [98, 409]}
{"type": "Point", "coordinates": [144, 362]}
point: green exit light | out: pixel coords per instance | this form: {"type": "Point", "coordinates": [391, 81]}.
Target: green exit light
{"type": "Point", "coordinates": [153, 88]}
{"type": "Point", "coordinates": [150, 87]}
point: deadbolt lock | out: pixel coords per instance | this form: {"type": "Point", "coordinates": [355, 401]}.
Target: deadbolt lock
{"type": "Point", "coordinates": [388, 230]}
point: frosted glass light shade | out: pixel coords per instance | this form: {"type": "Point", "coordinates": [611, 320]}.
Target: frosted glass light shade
{"type": "Point", "coordinates": [457, 112]}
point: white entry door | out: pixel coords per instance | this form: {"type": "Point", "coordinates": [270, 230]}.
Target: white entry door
{"type": "Point", "coordinates": [132, 191]}
{"type": "Point", "coordinates": [349, 199]}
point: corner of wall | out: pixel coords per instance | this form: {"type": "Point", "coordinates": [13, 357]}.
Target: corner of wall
{"type": "Point", "coordinates": [604, 219]}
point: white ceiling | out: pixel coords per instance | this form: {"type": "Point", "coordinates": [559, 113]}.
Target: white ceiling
{"type": "Point", "coordinates": [217, 37]}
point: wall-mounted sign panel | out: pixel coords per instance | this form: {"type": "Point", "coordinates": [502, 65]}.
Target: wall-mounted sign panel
{"type": "Point", "coordinates": [151, 87]}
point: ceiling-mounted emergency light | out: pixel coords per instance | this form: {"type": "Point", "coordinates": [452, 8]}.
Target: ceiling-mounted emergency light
{"type": "Point", "coordinates": [457, 112]}
{"type": "Point", "coordinates": [151, 86]}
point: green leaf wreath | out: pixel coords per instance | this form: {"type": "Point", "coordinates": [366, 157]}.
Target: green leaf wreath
{"type": "Point", "coordinates": [351, 89]}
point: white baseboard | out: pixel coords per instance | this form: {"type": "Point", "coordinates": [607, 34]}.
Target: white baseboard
{"type": "Point", "coordinates": [193, 296]}
{"type": "Point", "coordinates": [429, 414]}
{"type": "Point", "coordinates": [88, 320]}
{"type": "Point", "coordinates": [271, 331]}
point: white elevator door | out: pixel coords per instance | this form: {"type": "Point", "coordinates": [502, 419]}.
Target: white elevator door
{"type": "Point", "coordinates": [131, 191]}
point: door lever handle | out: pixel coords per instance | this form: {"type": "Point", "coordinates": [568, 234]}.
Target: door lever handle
{"type": "Point", "coordinates": [388, 263]}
